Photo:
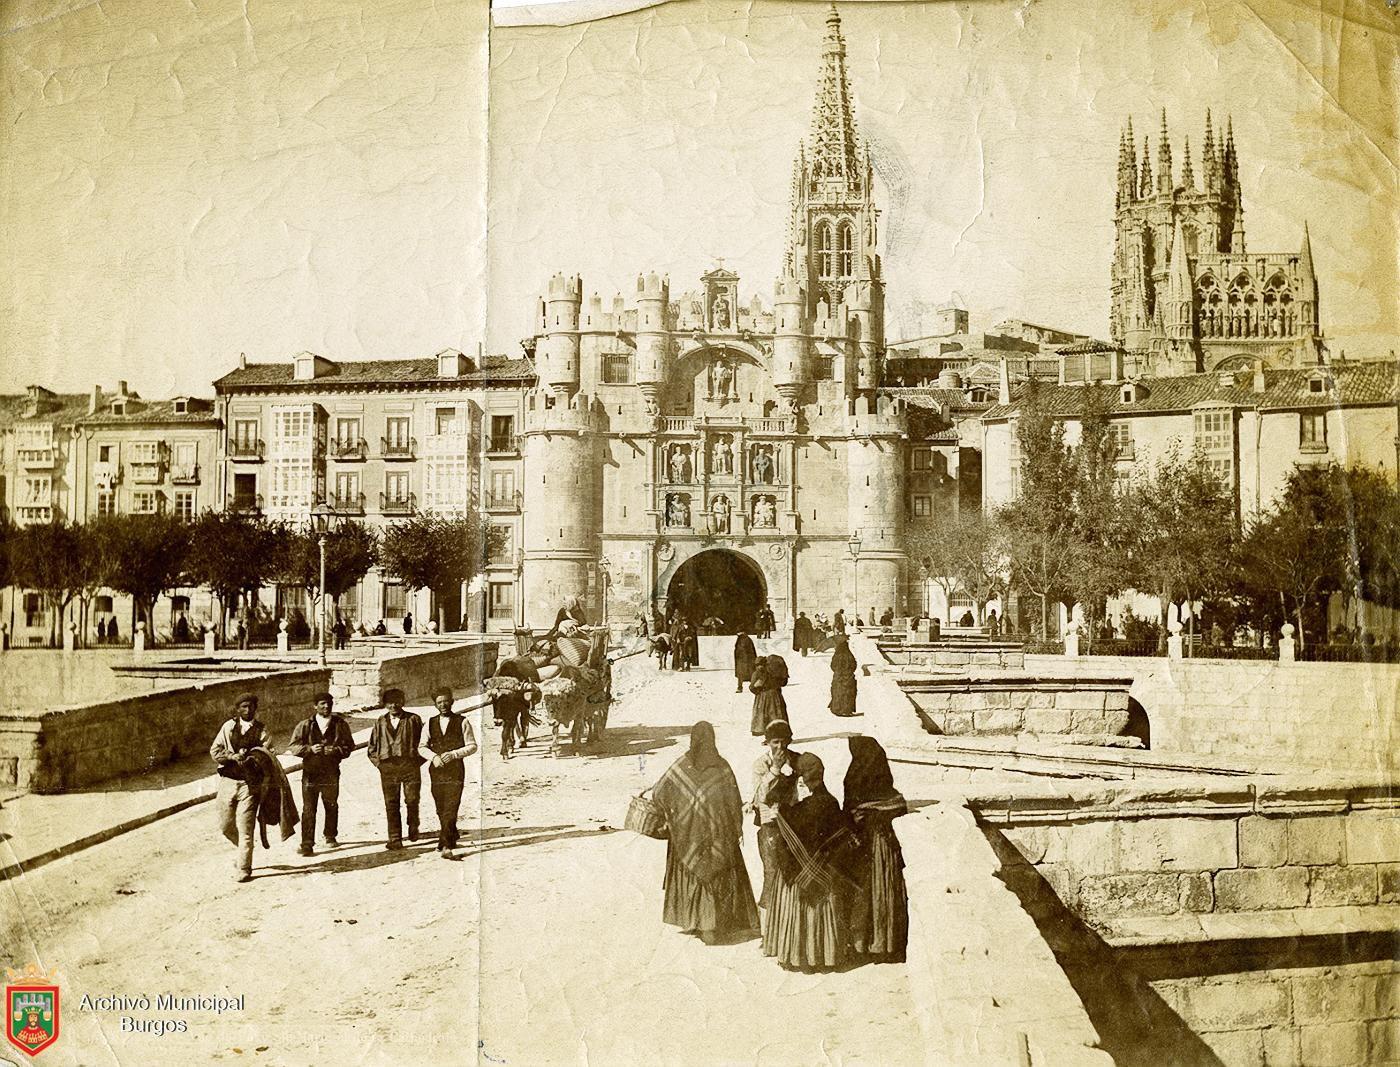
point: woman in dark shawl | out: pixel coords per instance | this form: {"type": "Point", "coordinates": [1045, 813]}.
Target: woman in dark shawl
{"type": "Point", "coordinates": [708, 892]}
{"type": "Point", "coordinates": [745, 658]}
{"type": "Point", "coordinates": [768, 703]}
{"type": "Point", "coordinates": [879, 911]}
{"type": "Point", "coordinates": [806, 925]}
{"type": "Point", "coordinates": [843, 679]}
{"type": "Point", "coordinates": [680, 644]}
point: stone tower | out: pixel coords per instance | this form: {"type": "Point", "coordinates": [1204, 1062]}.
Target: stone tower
{"type": "Point", "coordinates": [1187, 296]}
{"type": "Point", "coordinates": [832, 232]}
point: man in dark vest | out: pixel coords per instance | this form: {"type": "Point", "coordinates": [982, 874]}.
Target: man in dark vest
{"type": "Point", "coordinates": [393, 749]}
{"type": "Point", "coordinates": [322, 741]}
{"type": "Point", "coordinates": [237, 800]}
{"type": "Point", "coordinates": [450, 740]}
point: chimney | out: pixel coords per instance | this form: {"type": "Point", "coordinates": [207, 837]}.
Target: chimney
{"type": "Point", "coordinates": [95, 401]}
{"type": "Point", "coordinates": [243, 361]}
{"type": "Point", "coordinates": [1004, 384]}
{"type": "Point", "coordinates": [1259, 383]}
{"type": "Point", "coordinates": [121, 389]}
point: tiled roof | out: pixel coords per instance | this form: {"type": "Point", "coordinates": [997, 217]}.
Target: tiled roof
{"type": "Point", "coordinates": [63, 409]}
{"type": "Point", "coordinates": [1356, 384]}
{"type": "Point", "coordinates": [140, 411]}
{"type": "Point", "coordinates": [1089, 345]}
{"type": "Point", "coordinates": [374, 372]}
{"type": "Point", "coordinates": [932, 397]}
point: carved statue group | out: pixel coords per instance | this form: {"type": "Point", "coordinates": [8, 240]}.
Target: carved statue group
{"type": "Point", "coordinates": [765, 512]}
{"type": "Point", "coordinates": [677, 509]}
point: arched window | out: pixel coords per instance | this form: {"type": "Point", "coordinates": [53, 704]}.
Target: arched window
{"type": "Point", "coordinates": [1210, 301]}
{"type": "Point", "coordinates": [847, 242]}
{"type": "Point", "coordinates": [823, 243]}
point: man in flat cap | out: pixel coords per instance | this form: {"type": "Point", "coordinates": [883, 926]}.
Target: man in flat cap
{"type": "Point", "coordinates": [450, 740]}
{"type": "Point", "coordinates": [393, 749]}
{"type": "Point", "coordinates": [237, 798]}
{"type": "Point", "coordinates": [322, 740]}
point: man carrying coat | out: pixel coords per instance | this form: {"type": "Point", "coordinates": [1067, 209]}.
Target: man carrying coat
{"type": "Point", "coordinates": [322, 741]}
{"type": "Point", "coordinates": [237, 798]}
{"type": "Point", "coordinates": [450, 740]}
{"type": "Point", "coordinates": [393, 749]}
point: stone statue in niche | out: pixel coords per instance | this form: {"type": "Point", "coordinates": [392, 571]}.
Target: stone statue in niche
{"type": "Point", "coordinates": [719, 313]}
{"type": "Point", "coordinates": [730, 452]}
{"type": "Point", "coordinates": [763, 466]}
{"type": "Point", "coordinates": [677, 509]}
{"type": "Point", "coordinates": [680, 464]}
{"type": "Point", "coordinates": [722, 461]}
{"type": "Point", "coordinates": [719, 508]}
{"type": "Point", "coordinates": [724, 380]}
{"type": "Point", "coordinates": [765, 512]}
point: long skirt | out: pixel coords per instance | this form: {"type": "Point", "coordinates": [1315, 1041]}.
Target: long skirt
{"type": "Point", "coordinates": [843, 694]}
{"type": "Point", "coordinates": [769, 844]}
{"type": "Point", "coordinates": [879, 911]}
{"type": "Point", "coordinates": [724, 906]}
{"type": "Point", "coordinates": [804, 932]}
{"type": "Point", "coordinates": [768, 706]}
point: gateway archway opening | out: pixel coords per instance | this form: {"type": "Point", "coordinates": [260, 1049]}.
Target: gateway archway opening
{"type": "Point", "coordinates": [721, 584]}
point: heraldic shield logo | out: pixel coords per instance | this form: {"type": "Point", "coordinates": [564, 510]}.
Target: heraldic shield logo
{"type": "Point", "coordinates": [31, 1011]}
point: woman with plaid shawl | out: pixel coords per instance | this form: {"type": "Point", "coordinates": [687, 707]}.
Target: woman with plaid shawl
{"type": "Point", "coordinates": [708, 892]}
{"type": "Point", "coordinates": [806, 927]}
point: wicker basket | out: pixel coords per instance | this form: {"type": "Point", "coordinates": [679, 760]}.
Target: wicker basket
{"type": "Point", "coordinates": [645, 817]}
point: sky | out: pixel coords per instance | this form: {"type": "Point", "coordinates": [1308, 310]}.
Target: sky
{"type": "Point", "coordinates": [663, 139]}
{"type": "Point", "coordinates": [184, 182]}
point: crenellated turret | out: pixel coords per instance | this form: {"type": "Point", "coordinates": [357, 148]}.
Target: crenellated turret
{"type": "Point", "coordinates": [865, 306]}
{"type": "Point", "coordinates": [875, 494]}
{"type": "Point", "coordinates": [791, 369]}
{"type": "Point", "coordinates": [563, 483]}
{"type": "Point", "coordinates": [557, 352]}
{"type": "Point", "coordinates": [653, 343]}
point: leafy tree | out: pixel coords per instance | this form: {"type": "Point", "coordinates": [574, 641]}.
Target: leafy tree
{"type": "Point", "coordinates": [438, 553]}
{"type": "Point", "coordinates": [55, 560]}
{"type": "Point", "coordinates": [1178, 532]}
{"type": "Point", "coordinates": [143, 556]}
{"type": "Point", "coordinates": [352, 548]}
{"type": "Point", "coordinates": [1039, 524]}
{"type": "Point", "coordinates": [234, 555]}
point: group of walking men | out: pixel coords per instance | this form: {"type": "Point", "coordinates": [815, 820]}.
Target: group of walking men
{"type": "Point", "coordinates": [253, 789]}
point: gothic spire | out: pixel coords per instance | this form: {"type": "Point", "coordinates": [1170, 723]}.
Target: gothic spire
{"type": "Point", "coordinates": [1209, 164]}
{"type": "Point", "coordinates": [1188, 177]}
{"type": "Point", "coordinates": [1164, 158]}
{"type": "Point", "coordinates": [1145, 188]}
{"type": "Point", "coordinates": [1305, 260]}
{"type": "Point", "coordinates": [835, 148]}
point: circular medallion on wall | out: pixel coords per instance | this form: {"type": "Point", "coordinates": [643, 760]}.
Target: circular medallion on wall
{"type": "Point", "coordinates": [665, 551]}
{"type": "Point", "coordinates": [777, 550]}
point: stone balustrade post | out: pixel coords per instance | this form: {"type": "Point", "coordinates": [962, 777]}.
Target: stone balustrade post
{"type": "Point", "coordinates": [70, 637]}
{"type": "Point", "coordinates": [284, 641]}
{"type": "Point", "coordinates": [1072, 638]}
{"type": "Point", "coordinates": [209, 639]}
{"type": "Point", "coordinates": [1174, 642]}
{"type": "Point", "coordinates": [1287, 647]}
{"type": "Point", "coordinates": [138, 642]}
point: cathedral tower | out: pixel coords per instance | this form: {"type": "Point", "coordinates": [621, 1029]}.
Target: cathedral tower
{"type": "Point", "coordinates": [832, 232]}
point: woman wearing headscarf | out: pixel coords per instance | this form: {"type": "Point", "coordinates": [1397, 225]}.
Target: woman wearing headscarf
{"type": "Point", "coordinates": [680, 646]}
{"type": "Point", "coordinates": [843, 679]}
{"type": "Point", "coordinates": [768, 703]}
{"type": "Point", "coordinates": [806, 926]}
{"type": "Point", "coordinates": [745, 659]}
{"type": "Point", "coordinates": [708, 892]}
{"type": "Point", "coordinates": [879, 912]}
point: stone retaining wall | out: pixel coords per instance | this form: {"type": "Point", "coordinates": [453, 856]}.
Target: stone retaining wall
{"type": "Point", "coordinates": [1014, 704]}
{"type": "Point", "coordinates": [955, 654]}
{"type": "Point", "coordinates": [417, 672]}
{"type": "Point", "coordinates": [1338, 715]}
{"type": "Point", "coordinates": [50, 751]}
{"type": "Point", "coordinates": [1140, 865]}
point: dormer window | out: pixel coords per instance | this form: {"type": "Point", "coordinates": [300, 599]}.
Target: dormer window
{"type": "Point", "coordinates": [182, 406]}
{"type": "Point", "coordinates": [305, 368]}
{"type": "Point", "coordinates": [118, 407]}
{"type": "Point", "coordinates": [1316, 385]}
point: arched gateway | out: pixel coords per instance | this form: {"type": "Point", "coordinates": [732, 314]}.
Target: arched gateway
{"type": "Point", "coordinates": [720, 583]}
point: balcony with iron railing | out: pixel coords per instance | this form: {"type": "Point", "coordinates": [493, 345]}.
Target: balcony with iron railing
{"type": "Point", "coordinates": [40, 456]}
{"type": "Point", "coordinates": [34, 513]}
{"type": "Point", "coordinates": [349, 449]}
{"type": "Point", "coordinates": [503, 445]}
{"type": "Point", "coordinates": [503, 502]}
{"type": "Point", "coordinates": [246, 450]}
{"type": "Point", "coordinates": [347, 504]}
{"type": "Point", "coordinates": [186, 475]}
{"type": "Point", "coordinates": [397, 505]}
{"type": "Point", "coordinates": [398, 447]}
{"type": "Point", "coordinates": [246, 503]}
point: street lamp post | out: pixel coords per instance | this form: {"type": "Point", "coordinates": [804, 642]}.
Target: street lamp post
{"type": "Point", "coordinates": [320, 519]}
{"type": "Point", "coordinates": [605, 576]}
{"type": "Point", "coordinates": [853, 546]}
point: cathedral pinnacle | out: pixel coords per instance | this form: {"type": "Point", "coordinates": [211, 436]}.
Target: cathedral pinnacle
{"type": "Point", "coordinates": [835, 150]}
{"type": "Point", "coordinates": [1188, 177]}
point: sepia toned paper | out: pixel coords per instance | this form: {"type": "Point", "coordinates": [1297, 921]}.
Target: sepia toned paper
{"type": "Point", "coordinates": [190, 191]}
